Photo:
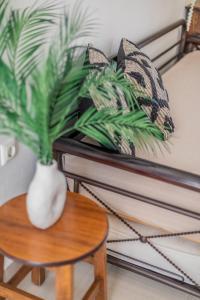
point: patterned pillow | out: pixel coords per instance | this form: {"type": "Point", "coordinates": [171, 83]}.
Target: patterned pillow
{"type": "Point", "coordinates": [99, 60]}
{"type": "Point", "coordinates": [153, 98]}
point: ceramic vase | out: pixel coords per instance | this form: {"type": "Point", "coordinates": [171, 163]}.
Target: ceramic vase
{"type": "Point", "coordinates": [46, 196]}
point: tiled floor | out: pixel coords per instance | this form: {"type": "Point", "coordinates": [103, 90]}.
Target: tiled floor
{"type": "Point", "coordinates": [122, 285]}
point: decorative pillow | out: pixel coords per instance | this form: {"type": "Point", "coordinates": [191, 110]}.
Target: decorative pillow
{"type": "Point", "coordinates": [153, 97]}
{"type": "Point", "coordinates": [99, 60]}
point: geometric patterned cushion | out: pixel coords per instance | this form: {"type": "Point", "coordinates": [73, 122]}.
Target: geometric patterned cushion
{"type": "Point", "coordinates": [153, 98]}
{"type": "Point", "coordinates": [99, 60]}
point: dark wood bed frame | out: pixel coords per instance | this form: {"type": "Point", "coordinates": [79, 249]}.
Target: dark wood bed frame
{"type": "Point", "coordinates": [179, 178]}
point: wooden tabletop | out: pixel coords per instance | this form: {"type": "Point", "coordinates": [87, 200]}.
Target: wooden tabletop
{"type": "Point", "coordinates": [79, 233]}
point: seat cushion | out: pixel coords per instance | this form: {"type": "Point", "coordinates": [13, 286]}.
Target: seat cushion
{"type": "Point", "coordinates": [186, 254]}
{"type": "Point", "coordinates": [182, 82]}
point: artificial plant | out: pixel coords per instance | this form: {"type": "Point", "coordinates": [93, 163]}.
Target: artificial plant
{"type": "Point", "coordinates": [43, 79]}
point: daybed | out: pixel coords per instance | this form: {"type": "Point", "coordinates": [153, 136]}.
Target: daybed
{"type": "Point", "coordinates": [155, 225]}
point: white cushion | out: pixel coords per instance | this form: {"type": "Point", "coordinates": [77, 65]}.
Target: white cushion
{"type": "Point", "coordinates": [182, 82]}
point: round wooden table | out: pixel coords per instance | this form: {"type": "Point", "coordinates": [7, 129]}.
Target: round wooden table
{"type": "Point", "coordinates": [79, 234]}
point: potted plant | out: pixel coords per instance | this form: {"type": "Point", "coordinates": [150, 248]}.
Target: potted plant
{"type": "Point", "coordinates": [42, 83]}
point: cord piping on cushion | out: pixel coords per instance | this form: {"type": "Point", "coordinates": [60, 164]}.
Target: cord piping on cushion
{"type": "Point", "coordinates": [156, 236]}
{"type": "Point", "coordinates": [143, 239]}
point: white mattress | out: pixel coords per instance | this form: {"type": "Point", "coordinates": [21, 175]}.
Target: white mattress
{"type": "Point", "coordinates": [182, 82]}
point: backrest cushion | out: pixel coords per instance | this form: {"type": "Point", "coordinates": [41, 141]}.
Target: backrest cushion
{"type": "Point", "coordinates": [154, 99]}
{"type": "Point", "coordinates": [97, 58]}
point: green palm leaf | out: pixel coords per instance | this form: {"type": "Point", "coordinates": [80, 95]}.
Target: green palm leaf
{"type": "Point", "coordinates": [3, 9]}
{"type": "Point", "coordinates": [3, 27]}
{"type": "Point", "coordinates": [133, 127]}
{"type": "Point", "coordinates": [107, 85]}
{"type": "Point", "coordinates": [27, 34]}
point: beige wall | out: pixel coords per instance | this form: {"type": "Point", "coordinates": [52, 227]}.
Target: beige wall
{"type": "Point", "coordinates": [134, 19]}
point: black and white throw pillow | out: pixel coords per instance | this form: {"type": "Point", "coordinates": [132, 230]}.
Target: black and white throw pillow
{"type": "Point", "coordinates": [99, 60]}
{"type": "Point", "coordinates": [153, 97]}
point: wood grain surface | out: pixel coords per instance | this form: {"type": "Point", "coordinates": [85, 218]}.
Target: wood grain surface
{"type": "Point", "coordinates": [80, 232]}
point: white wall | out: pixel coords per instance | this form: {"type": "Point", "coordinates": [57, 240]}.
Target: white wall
{"type": "Point", "coordinates": [16, 175]}
{"type": "Point", "coordinates": [134, 19]}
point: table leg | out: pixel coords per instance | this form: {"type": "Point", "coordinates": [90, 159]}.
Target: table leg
{"type": "Point", "coordinates": [64, 283]}
{"type": "Point", "coordinates": [100, 266]}
{"type": "Point", "coordinates": [38, 276]}
{"type": "Point", "coordinates": [1, 271]}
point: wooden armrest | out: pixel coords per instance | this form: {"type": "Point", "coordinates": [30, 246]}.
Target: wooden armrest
{"type": "Point", "coordinates": [134, 165]}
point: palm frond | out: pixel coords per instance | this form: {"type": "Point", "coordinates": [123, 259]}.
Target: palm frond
{"type": "Point", "coordinates": [8, 86]}
{"type": "Point", "coordinates": [108, 87]}
{"type": "Point", "coordinates": [3, 28]}
{"type": "Point", "coordinates": [27, 34]}
{"type": "Point", "coordinates": [12, 123]}
{"type": "Point", "coordinates": [68, 95]}
{"type": "Point", "coordinates": [134, 127]}
{"type": "Point", "coordinates": [77, 23]}
{"type": "Point", "coordinates": [3, 9]}
{"type": "Point", "coordinates": [64, 70]}
{"type": "Point", "coordinates": [14, 96]}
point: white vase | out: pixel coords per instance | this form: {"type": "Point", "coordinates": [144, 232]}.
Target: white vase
{"type": "Point", "coordinates": [46, 196]}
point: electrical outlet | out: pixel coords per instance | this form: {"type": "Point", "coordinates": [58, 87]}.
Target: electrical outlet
{"type": "Point", "coordinates": [7, 150]}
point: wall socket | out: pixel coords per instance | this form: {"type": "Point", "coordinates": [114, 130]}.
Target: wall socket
{"type": "Point", "coordinates": [7, 150]}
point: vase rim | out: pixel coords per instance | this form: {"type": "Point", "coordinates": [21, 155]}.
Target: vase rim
{"type": "Point", "coordinates": [52, 166]}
